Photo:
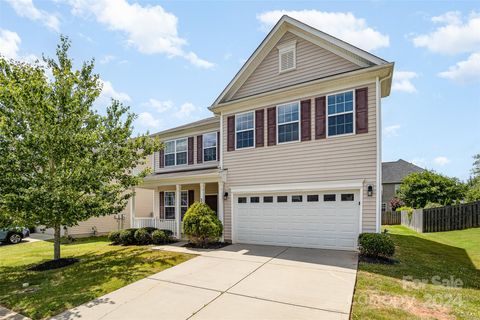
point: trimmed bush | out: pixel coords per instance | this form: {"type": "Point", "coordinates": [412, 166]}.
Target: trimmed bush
{"type": "Point", "coordinates": [160, 237]}
{"type": "Point", "coordinates": [201, 224]}
{"type": "Point", "coordinates": [142, 236]}
{"type": "Point", "coordinates": [376, 245]}
{"type": "Point", "coordinates": [127, 236]}
{"type": "Point", "coordinates": [149, 229]}
{"type": "Point", "coordinates": [169, 233]}
{"type": "Point", "coordinates": [114, 237]}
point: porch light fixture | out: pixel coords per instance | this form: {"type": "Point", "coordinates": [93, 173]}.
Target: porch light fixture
{"type": "Point", "coordinates": [225, 196]}
{"type": "Point", "coordinates": [370, 190]}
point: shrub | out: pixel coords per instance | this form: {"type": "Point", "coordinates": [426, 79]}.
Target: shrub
{"type": "Point", "coordinates": [431, 205]}
{"type": "Point", "coordinates": [114, 237]}
{"type": "Point", "coordinates": [142, 236]}
{"type": "Point", "coordinates": [376, 245]}
{"type": "Point", "coordinates": [395, 203]}
{"type": "Point", "coordinates": [160, 237]}
{"type": "Point", "coordinates": [169, 233]}
{"type": "Point", "coordinates": [127, 236]}
{"type": "Point", "coordinates": [201, 224]}
{"type": "Point", "coordinates": [149, 229]}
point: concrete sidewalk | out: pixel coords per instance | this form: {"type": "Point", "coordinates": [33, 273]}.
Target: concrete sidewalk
{"type": "Point", "coordinates": [6, 314]}
{"type": "Point", "coordinates": [237, 282]}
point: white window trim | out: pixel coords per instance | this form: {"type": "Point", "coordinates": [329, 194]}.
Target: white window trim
{"type": "Point", "coordinates": [299, 124]}
{"type": "Point", "coordinates": [337, 114]}
{"type": "Point", "coordinates": [169, 206]}
{"type": "Point", "coordinates": [175, 153]}
{"type": "Point", "coordinates": [216, 146]}
{"type": "Point", "coordinates": [237, 131]}
{"type": "Point", "coordinates": [283, 48]}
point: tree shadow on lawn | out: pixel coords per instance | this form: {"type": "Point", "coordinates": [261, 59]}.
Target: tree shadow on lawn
{"type": "Point", "coordinates": [51, 292]}
{"type": "Point", "coordinates": [420, 259]}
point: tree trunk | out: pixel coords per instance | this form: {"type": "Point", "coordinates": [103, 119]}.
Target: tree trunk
{"type": "Point", "coordinates": [56, 243]}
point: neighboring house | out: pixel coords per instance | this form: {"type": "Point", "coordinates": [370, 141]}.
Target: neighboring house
{"type": "Point", "coordinates": [292, 154]}
{"type": "Point", "coordinates": [392, 176]}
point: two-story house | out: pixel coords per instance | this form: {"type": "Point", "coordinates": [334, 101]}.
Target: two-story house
{"type": "Point", "coordinates": [292, 154]}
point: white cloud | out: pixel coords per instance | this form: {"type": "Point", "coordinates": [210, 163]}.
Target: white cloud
{"type": "Point", "coordinates": [107, 58]}
{"type": "Point", "coordinates": [441, 161]}
{"type": "Point", "coordinates": [464, 71]}
{"type": "Point", "coordinates": [343, 25]}
{"type": "Point", "coordinates": [159, 106]}
{"type": "Point", "coordinates": [402, 81]}
{"type": "Point", "coordinates": [108, 92]}
{"type": "Point", "coordinates": [456, 35]}
{"type": "Point", "coordinates": [9, 44]}
{"type": "Point", "coordinates": [150, 29]}
{"type": "Point", "coordinates": [146, 120]}
{"type": "Point", "coordinates": [26, 8]}
{"type": "Point", "coordinates": [391, 131]}
{"type": "Point", "coordinates": [186, 110]}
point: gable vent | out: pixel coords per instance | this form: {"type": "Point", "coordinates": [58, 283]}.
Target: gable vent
{"type": "Point", "coordinates": [287, 56]}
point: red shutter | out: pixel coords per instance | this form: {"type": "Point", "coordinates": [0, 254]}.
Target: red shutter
{"type": "Point", "coordinates": [306, 120]}
{"type": "Point", "coordinates": [191, 197]}
{"type": "Point", "coordinates": [272, 126]}
{"type": "Point", "coordinates": [218, 146]}
{"type": "Point", "coordinates": [161, 158]}
{"type": "Point", "coordinates": [231, 133]}
{"type": "Point", "coordinates": [190, 150]}
{"type": "Point", "coordinates": [199, 149]}
{"type": "Point", "coordinates": [259, 120]}
{"type": "Point", "coordinates": [361, 110]}
{"type": "Point", "coordinates": [320, 118]}
{"type": "Point", "coordinates": [162, 205]}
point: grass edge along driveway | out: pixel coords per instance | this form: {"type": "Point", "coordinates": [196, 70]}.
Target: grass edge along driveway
{"type": "Point", "coordinates": [103, 268]}
{"type": "Point", "coordinates": [448, 263]}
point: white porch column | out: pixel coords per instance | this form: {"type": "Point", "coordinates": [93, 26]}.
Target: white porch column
{"type": "Point", "coordinates": [220, 201]}
{"type": "Point", "coordinates": [156, 204]}
{"type": "Point", "coordinates": [178, 212]}
{"type": "Point", "coordinates": [202, 192]}
{"type": "Point", "coordinates": [132, 209]}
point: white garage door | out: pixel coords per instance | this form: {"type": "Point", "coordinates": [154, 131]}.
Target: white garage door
{"type": "Point", "coordinates": [327, 220]}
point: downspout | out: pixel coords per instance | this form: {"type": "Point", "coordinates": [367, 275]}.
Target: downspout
{"type": "Point", "coordinates": [379, 152]}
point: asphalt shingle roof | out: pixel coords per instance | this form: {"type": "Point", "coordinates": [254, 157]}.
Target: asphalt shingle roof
{"type": "Point", "coordinates": [395, 171]}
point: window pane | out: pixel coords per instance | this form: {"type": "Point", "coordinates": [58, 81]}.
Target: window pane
{"type": "Point", "coordinates": [181, 158]}
{"type": "Point", "coordinates": [242, 200]}
{"type": "Point", "coordinates": [244, 121]}
{"type": "Point", "coordinates": [349, 96]}
{"type": "Point", "coordinates": [182, 145]}
{"type": "Point", "coordinates": [347, 197]}
{"type": "Point", "coordinates": [267, 199]}
{"type": "Point", "coordinates": [254, 199]}
{"type": "Point", "coordinates": [169, 198]}
{"type": "Point", "coordinates": [170, 159]}
{"type": "Point", "coordinates": [245, 139]}
{"type": "Point", "coordinates": [340, 124]}
{"type": "Point", "coordinates": [297, 198]}
{"type": "Point", "coordinates": [288, 132]}
{"type": "Point", "coordinates": [312, 197]}
{"type": "Point", "coordinates": [209, 140]}
{"type": "Point", "coordinates": [287, 113]}
{"type": "Point", "coordinates": [329, 197]}
{"type": "Point", "coordinates": [170, 147]}
{"type": "Point", "coordinates": [169, 212]}
{"type": "Point", "coordinates": [348, 106]}
{"type": "Point", "coordinates": [184, 199]}
{"type": "Point", "coordinates": [331, 100]}
{"type": "Point", "coordinates": [282, 199]}
{"type": "Point", "coordinates": [210, 154]}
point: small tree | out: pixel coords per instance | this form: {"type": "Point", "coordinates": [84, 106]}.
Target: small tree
{"type": "Point", "coordinates": [473, 193]}
{"type": "Point", "coordinates": [476, 166]}
{"type": "Point", "coordinates": [419, 188]}
{"type": "Point", "coordinates": [201, 224]}
{"type": "Point", "coordinates": [60, 161]}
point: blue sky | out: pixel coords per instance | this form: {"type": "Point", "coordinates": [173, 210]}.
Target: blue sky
{"type": "Point", "coordinates": [169, 60]}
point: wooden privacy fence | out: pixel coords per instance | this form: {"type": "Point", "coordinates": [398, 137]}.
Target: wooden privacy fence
{"type": "Point", "coordinates": [391, 218]}
{"type": "Point", "coordinates": [448, 218]}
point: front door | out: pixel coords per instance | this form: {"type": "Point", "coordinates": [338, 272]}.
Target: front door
{"type": "Point", "coordinates": [212, 202]}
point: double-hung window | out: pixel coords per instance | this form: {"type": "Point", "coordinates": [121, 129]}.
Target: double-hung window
{"type": "Point", "coordinates": [176, 152]}
{"type": "Point", "coordinates": [210, 146]}
{"type": "Point", "coordinates": [170, 204]}
{"type": "Point", "coordinates": [244, 130]}
{"type": "Point", "coordinates": [288, 122]}
{"type": "Point", "coordinates": [340, 113]}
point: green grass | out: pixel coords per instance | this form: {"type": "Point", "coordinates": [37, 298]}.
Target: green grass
{"type": "Point", "coordinates": [380, 292]}
{"type": "Point", "coordinates": [102, 268]}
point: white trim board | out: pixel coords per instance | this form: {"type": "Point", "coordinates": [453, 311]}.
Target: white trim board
{"type": "Point", "coordinates": [302, 186]}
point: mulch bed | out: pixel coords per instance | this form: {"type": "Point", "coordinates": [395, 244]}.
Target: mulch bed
{"type": "Point", "coordinates": [214, 245]}
{"type": "Point", "coordinates": [377, 260]}
{"type": "Point", "coordinates": [54, 264]}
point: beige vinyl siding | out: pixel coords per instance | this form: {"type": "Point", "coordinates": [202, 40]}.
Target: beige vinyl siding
{"type": "Point", "coordinates": [349, 157]}
{"type": "Point", "coordinates": [312, 62]}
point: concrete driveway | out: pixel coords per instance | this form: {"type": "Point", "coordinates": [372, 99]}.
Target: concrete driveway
{"type": "Point", "coordinates": [237, 282]}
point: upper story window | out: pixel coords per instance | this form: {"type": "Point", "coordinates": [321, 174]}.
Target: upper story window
{"type": "Point", "coordinates": [340, 113]}
{"type": "Point", "coordinates": [176, 152]}
{"type": "Point", "coordinates": [288, 123]}
{"type": "Point", "coordinates": [244, 130]}
{"type": "Point", "coordinates": [210, 146]}
{"type": "Point", "coordinates": [287, 56]}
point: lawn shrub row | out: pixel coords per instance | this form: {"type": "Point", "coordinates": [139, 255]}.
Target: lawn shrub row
{"type": "Point", "coordinates": [141, 236]}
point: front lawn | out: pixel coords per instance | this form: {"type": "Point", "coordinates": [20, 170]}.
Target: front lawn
{"type": "Point", "coordinates": [102, 268]}
{"type": "Point", "coordinates": [448, 263]}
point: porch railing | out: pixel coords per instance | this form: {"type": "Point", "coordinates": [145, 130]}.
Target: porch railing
{"type": "Point", "coordinates": [169, 224]}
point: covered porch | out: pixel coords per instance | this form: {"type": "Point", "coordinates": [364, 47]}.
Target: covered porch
{"type": "Point", "coordinates": [173, 193]}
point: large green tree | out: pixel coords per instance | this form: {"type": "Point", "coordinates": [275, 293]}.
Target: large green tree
{"type": "Point", "coordinates": [419, 188]}
{"type": "Point", "coordinates": [61, 162]}
{"type": "Point", "coordinates": [473, 193]}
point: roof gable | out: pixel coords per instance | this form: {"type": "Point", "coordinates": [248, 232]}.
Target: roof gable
{"type": "Point", "coordinates": [394, 172]}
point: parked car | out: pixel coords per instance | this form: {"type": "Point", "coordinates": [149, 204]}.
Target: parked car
{"type": "Point", "coordinates": [13, 235]}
